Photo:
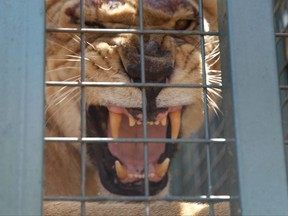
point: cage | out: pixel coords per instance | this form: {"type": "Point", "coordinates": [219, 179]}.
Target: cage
{"type": "Point", "coordinates": [237, 157]}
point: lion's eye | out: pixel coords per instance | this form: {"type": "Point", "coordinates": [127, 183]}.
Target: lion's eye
{"type": "Point", "coordinates": [184, 24]}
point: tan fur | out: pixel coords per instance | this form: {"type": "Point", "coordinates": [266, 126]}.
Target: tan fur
{"type": "Point", "coordinates": [158, 208]}
{"type": "Point", "coordinates": [103, 55]}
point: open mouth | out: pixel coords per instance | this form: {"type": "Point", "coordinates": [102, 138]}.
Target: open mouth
{"type": "Point", "coordinates": [121, 165]}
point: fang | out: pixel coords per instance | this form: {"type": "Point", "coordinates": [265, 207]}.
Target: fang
{"type": "Point", "coordinates": [115, 121]}
{"type": "Point", "coordinates": [121, 170]}
{"type": "Point", "coordinates": [175, 119]}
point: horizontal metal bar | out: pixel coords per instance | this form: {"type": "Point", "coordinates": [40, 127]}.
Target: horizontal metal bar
{"type": "Point", "coordinates": [123, 84]}
{"type": "Point", "coordinates": [132, 31]}
{"type": "Point", "coordinates": [129, 140]}
{"type": "Point", "coordinates": [203, 198]}
{"type": "Point", "coordinates": [281, 34]}
{"type": "Point", "coordinates": [283, 87]}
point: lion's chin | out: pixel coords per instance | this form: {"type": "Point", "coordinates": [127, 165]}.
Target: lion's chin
{"type": "Point", "coordinates": [112, 183]}
{"type": "Point", "coordinates": [121, 165]}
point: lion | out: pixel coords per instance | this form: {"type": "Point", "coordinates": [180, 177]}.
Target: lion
{"type": "Point", "coordinates": [98, 57]}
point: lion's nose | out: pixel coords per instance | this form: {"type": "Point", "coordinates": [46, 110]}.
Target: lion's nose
{"type": "Point", "coordinates": [159, 66]}
{"type": "Point", "coordinates": [158, 63]}
{"type": "Point", "coordinates": [151, 48]}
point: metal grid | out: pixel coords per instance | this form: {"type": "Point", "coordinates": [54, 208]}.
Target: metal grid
{"type": "Point", "coordinates": [262, 183]}
{"type": "Point", "coordinates": [207, 140]}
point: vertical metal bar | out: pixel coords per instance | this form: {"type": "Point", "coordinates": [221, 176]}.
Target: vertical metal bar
{"type": "Point", "coordinates": [83, 109]}
{"type": "Point", "coordinates": [144, 106]}
{"type": "Point", "coordinates": [256, 105]}
{"type": "Point", "coordinates": [22, 104]}
{"type": "Point", "coordinates": [205, 106]}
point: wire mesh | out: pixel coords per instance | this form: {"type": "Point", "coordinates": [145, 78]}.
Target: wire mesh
{"type": "Point", "coordinates": [206, 144]}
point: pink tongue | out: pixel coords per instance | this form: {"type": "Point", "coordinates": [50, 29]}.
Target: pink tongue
{"type": "Point", "coordinates": [132, 154]}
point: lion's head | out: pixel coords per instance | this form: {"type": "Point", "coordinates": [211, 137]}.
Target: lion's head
{"type": "Point", "coordinates": [117, 111]}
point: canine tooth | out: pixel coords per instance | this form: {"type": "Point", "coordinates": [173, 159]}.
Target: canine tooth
{"type": "Point", "coordinates": [132, 121]}
{"type": "Point", "coordinates": [164, 121]}
{"type": "Point", "coordinates": [150, 123]}
{"type": "Point", "coordinates": [115, 121]}
{"type": "Point", "coordinates": [175, 119]}
{"type": "Point", "coordinates": [156, 122]}
{"type": "Point", "coordinates": [121, 170]}
{"type": "Point", "coordinates": [151, 175]}
{"type": "Point", "coordinates": [162, 168]}
{"type": "Point", "coordinates": [136, 175]}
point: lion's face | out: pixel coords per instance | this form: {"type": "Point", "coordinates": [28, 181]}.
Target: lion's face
{"type": "Point", "coordinates": [116, 111]}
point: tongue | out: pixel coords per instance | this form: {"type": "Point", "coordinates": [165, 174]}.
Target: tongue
{"type": "Point", "coordinates": [132, 154]}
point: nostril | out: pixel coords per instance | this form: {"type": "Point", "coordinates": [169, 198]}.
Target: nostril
{"type": "Point", "coordinates": [151, 48]}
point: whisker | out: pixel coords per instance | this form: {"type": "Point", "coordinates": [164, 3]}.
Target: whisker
{"type": "Point", "coordinates": [103, 68]}
{"type": "Point", "coordinates": [50, 41]}
{"type": "Point", "coordinates": [58, 92]}
{"type": "Point", "coordinates": [62, 68]}
{"type": "Point", "coordinates": [78, 57]}
{"type": "Point", "coordinates": [63, 105]}
{"type": "Point", "coordinates": [91, 45]}
{"type": "Point", "coordinates": [58, 96]}
{"type": "Point", "coordinates": [70, 60]}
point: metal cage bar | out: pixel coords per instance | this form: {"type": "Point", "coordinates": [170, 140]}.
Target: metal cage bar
{"type": "Point", "coordinates": [254, 87]}
{"type": "Point", "coordinates": [22, 106]}
{"type": "Point", "coordinates": [83, 109]}
{"type": "Point", "coordinates": [143, 85]}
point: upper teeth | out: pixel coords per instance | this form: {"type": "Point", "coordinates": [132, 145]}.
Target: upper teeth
{"type": "Point", "coordinates": [133, 122]}
{"type": "Point", "coordinates": [175, 119]}
{"type": "Point", "coordinates": [164, 121]}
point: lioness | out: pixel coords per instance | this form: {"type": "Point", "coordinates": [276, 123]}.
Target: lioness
{"type": "Point", "coordinates": [115, 111]}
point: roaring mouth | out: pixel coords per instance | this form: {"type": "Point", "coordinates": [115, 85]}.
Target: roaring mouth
{"type": "Point", "coordinates": [121, 165]}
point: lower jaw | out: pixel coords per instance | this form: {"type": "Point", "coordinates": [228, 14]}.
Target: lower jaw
{"type": "Point", "coordinates": [104, 162]}
{"type": "Point", "coordinates": [113, 185]}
